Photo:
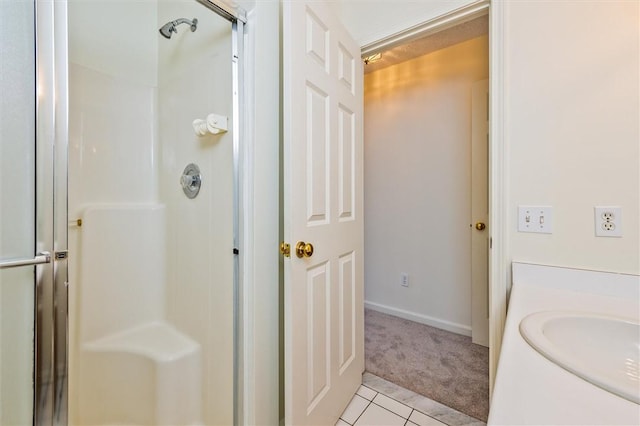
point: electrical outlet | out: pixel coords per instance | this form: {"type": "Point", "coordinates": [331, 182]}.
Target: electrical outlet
{"type": "Point", "coordinates": [538, 219]}
{"type": "Point", "coordinates": [608, 221]}
{"type": "Point", "coordinates": [404, 279]}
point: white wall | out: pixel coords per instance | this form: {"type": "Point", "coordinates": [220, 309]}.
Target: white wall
{"type": "Point", "coordinates": [112, 127]}
{"type": "Point", "coordinates": [418, 185]}
{"type": "Point", "coordinates": [371, 20]}
{"type": "Point", "coordinates": [120, 27]}
{"type": "Point", "coordinates": [572, 115]}
{"type": "Point", "coordinates": [112, 102]}
{"type": "Point", "coordinates": [194, 76]}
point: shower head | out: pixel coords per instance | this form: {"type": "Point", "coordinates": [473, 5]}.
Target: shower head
{"type": "Point", "coordinates": [170, 27]}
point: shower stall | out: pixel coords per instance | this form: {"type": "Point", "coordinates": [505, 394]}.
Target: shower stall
{"type": "Point", "coordinates": [149, 276]}
{"type": "Point", "coordinates": [151, 208]}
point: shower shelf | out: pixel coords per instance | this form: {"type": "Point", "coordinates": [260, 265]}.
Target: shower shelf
{"type": "Point", "coordinates": [157, 340]}
{"type": "Point", "coordinates": [160, 366]}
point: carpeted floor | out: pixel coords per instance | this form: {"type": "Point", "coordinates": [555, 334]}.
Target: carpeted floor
{"type": "Point", "coordinates": [438, 364]}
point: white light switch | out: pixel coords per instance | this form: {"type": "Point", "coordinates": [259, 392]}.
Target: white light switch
{"type": "Point", "coordinates": [535, 219]}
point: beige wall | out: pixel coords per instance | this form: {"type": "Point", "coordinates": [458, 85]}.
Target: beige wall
{"type": "Point", "coordinates": [418, 185]}
{"type": "Point", "coordinates": [571, 118]}
{"type": "Point", "coordinates": [572, 114]}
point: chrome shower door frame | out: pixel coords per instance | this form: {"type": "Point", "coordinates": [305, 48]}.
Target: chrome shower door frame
{"type": "Point", "coordinates": [50, 334]}
{"type": "Point", "coordinates": [238, 19]}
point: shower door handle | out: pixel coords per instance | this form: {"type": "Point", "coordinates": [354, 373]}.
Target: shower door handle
{"type": "Point", "coordinates": [42, 257]}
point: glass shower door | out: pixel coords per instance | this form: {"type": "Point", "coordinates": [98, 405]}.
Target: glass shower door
{"type": "Point", "coordinates": [17, 210]}
{"type": "Point", "coordinates": [33, 215]}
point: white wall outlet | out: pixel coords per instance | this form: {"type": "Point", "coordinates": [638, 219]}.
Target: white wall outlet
{"type": "Point", "coordinates": [404, 279]}
{"type": "Point", "coordinates": [608, 221]}
{"type": "Point", "coordinates": [537, 219]}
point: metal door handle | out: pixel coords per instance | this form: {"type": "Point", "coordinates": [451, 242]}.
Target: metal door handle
{"type": "Point", "coordinates": [42, 257]}
{"type": "Point", "coordinates": [304, 249]}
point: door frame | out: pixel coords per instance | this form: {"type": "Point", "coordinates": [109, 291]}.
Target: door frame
{"type": "Point", "coordinates": [51, 325]}
{"type": "Point", "coordinates": [242, 198]}
{"type": "Point", "coordinates": [499, 273]}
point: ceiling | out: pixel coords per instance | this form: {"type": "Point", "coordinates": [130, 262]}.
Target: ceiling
{"type": "Point", "coordinates": [436, 41]}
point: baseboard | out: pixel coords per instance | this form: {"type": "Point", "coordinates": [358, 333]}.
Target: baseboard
{"type": "Point", "coordinates": [422, 319]}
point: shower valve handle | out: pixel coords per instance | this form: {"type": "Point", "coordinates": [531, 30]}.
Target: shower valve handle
{"type": "Point", "coordinates": [189, 181]}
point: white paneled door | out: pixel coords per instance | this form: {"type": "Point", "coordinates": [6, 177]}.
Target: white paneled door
{"type": "Point", "coordinates": [323, 152]}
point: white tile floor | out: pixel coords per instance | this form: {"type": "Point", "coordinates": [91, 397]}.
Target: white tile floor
{"type": "Point", "coordinates": [370, 408]}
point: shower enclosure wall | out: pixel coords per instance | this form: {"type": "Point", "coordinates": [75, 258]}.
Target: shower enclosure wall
{"type": "Point", "coordinates": [151, 270]}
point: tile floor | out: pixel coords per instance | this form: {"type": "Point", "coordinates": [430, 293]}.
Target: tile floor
{"type": "Point", "coordinates": [377, 403]}
{"type": "Point", "coordinates": [371, 408]}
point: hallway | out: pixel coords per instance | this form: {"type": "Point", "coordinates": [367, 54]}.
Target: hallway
{"type": "Point", "coordinates": [438, 364]}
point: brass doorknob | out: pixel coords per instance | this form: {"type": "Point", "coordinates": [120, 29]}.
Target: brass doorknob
{"type": "Point", "coordinates": [480, 226]}
{"type": "Point", "coordinates": [304, 249]}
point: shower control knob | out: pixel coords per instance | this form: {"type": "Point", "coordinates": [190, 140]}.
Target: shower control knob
{"type": "Point", "coordinates": [191, 180]}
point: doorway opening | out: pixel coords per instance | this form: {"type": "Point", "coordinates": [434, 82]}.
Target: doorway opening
{"type": "Point", "coordinates": [426, 209]}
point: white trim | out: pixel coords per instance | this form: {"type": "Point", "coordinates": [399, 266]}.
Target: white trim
{"type": "Point", "coordinates": [453, 327]}
{"type": "Point", "coordinates": [442, 22]}
{"type": "Point", "coordinates": [240, 155]}
{"type": "Point", "coordinates": [498, 189]}
{"type": "Point", "coordinates": [246, 355]}
{"type": "Point", "coordinates": [259, 213]}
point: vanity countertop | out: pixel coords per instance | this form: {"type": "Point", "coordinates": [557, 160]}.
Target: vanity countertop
{"type": "Point", "coordinates": [530, 389]}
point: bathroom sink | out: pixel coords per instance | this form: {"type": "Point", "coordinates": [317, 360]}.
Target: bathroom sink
{"type": "Point", "coordinates": [603, 350]}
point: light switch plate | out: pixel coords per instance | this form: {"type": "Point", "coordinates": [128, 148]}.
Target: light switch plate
{"type": "Point", "coordinates": [538, 219]}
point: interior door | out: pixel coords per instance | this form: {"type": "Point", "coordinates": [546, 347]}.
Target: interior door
{"type": "Point", "coordinates": [323, 181]}
{"type": "Point", "coordinates": [480, 213]}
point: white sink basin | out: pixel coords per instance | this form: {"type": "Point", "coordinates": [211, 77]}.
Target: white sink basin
{"type": "Point", "coordinates": [602, 350]}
